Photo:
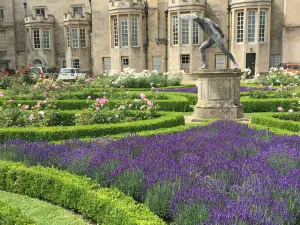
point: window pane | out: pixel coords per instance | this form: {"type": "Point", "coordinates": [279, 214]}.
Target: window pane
{"type": "Point", "coordinates": [240, 27]}
{"type": "Point", "coordinates": [220, 62]}
{"type": "Point", "coordinates": [1, 14]}
{"type": "Point", "coordinates": [40, 11]}
{"type": "Point", "coordinates": [75, 63]}
{"type": "Point", "coordinates": [185, 32]}
{"type": "Point", "coordinates": [275, 60]}
{"type": "Point", "coordinates": [251, 26]}
{"type": "Point", "coordinates": [107, 65]}
{"type": "Point", "coordinates": [82, 38]}
{"type": "Point", "coordinates": [2, 39]}
{"type": "Point", "coordinates": [46, 39]}
{"type": "Point", "coordinates": [195, 33]}
{"type": "Point", "coordinates": [77, 10]}
{"type": "Point", "coordinates": [185, 63]}
{"type": "Point", "coordinates": [175, 29]}
{"type": "Point", "coordinates": [36, 39]}
{"type": "Point", "coordinates": [116, 35]}
{"type": "Point", "coordinates": [262, 26]}
{"type": "Point", "coordinates": [68, 36]}
{"type": "Point", "coordinates": [124, 32]}
{"type": "Point", "coordinates": [157, 63]}
{"type": "Point", "coordinates": [134, 32]}
{"type": "Point", "coordinates": [75, 37]}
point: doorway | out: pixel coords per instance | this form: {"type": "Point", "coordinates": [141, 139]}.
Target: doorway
{"type": "Point", "coordinates": [250, 63]}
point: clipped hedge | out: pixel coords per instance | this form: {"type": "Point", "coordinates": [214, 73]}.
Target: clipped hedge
{"type": "Point", "coordinates": [266, 105]}
{"type": "Point", "coordinates": [269, 120]}
{"type": "Point", "coordinates": [168, 119]}
{"type": "Point", "coordinates": [101, 205]}
{"type": "Point", "coordinates": [10, 215]}
{"type": "Point", "coordinates": [174, 102]}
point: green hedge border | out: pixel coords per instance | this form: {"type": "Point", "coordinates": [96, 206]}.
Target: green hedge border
{"type": "Point", "coordinates": [10, 215]}
{"type": "Point", "coordinates": [268, 120]}
{"type": "Point", "coordinates": [101, 205]}
{"type": "Point", "coordinates": [175, 102]}
{"type": "Point", "coordinates": [167, 119]}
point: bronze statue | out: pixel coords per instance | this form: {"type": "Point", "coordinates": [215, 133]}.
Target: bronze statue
{"type": "Point", "coordinates": [215, 36]}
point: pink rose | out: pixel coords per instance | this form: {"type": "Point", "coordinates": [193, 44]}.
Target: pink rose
{"type": "Point", "coordinates": [89, 97]}
{"type": "Point", "coordinates": [143, 96]}
{"type": "Point", "coordinates": [19, 105]}
{"type": "Point", "coordinates": [31, 117]}
{"type": "Point", "coordinates": [11, 101]}
{"type": "Point", "coordinates": [97, 108]}
{"type": "Point", "coordinates": [26, 107]}
{"type": "Point", "coordinates": [149, 103]}
{"type": "Point", "coordinates": [121, 86]}
{"type": "Point", "coordinates": [1, 94]}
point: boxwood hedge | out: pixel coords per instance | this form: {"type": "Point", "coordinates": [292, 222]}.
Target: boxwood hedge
{"type": "Point", "coordinates": [101, 205]}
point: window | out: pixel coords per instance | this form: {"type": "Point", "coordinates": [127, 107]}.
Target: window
{"type": "Point", "coordinates": [116, 35]}
{"type": "Point", "coordinates": [195, 33]}
{"type": "Point", "coordinates": [134, 32]}
{"type": "Point", "coordinates": [175, 29]}
{"type": "Point", "coordinates": [185, 63]}
{"type": "Point", "coordinates": [68, 36]}
{"type": "Point", "coordinates": [107, 64]}
{"type": "Point", "coordinates": [185, 32]}
{"type": "Point", "coordinates": [2, 39]}
{"type": "Point", "coordinates": [75, 37]}
{"type": "Point", "coordinates": [240, 27]}
{"type": "Point", "coordinates": [157, 63]}
{"type": "Point", "coordinates": [75, 63]}
{"type": "Point", "coordinates": [125, 62]}
{"type": "Point", "coordinates": [36, 39]}
{"type": "Point", "coordinates": [1, 14]}
{"type": "Point", "coordinates": [251, 26]}
{"type": "Point", "coordinates": [275, 60]}
{"type": "Point", "coordinates": [46, 39]}
{"type": "Point", "coordinates": [63, 64]}
{"type": "Point", "coordinates": [262, 26]}
{"type": "Point", "coordinates": [124, 32]}
{"type": "Point", "coordinates": [220, 61]}
{"type": "Point", "coordinates": [77, 9]}
{"type": "Point", "coordinates": [82, 38]}
{"type": "Point", "coordinates": [40, 11]}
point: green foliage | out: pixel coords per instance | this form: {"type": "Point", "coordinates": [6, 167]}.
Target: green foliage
{"type": "Point", "coordinates": [101, 205]}
{"type": "Point", "coordinates": [69, 132]}
{"type": "Point", "coordinates": [10, 215]}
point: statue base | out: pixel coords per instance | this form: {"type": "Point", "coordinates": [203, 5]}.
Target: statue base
{"type": "Point", "coordinates": [218, 95]}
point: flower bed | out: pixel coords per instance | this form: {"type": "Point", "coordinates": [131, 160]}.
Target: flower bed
{"type": "Point", "coordinates": [224, 173]}
{"type": "Point", "coordinates": [101, 205]}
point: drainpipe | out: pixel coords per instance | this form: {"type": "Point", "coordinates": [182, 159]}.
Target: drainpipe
{"type": "Point", "coordinates": [90, 34]}
{"type": "Point", "coordinates": [228, 30]}
{"type": "Point", "coordinates": [146, 45]}
{"type": "Point", "coordinates": [166, 42]}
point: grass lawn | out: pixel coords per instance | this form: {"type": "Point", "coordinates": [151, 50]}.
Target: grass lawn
{"type": "Point", "coordinates": [42, 212]}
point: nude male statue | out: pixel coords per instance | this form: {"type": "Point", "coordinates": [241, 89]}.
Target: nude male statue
{"type": "Point", "coordinates": [215, 36]}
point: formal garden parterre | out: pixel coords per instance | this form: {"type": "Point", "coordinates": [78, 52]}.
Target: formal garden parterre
{"type": "Point", "coordinates": [135, 147]}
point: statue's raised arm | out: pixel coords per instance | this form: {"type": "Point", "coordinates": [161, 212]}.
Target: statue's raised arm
{"type": "Point", "coordinates": [215, 34]}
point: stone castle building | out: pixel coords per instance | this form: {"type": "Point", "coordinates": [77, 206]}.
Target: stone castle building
{"type": "Point", "coordinates": [99, 36]}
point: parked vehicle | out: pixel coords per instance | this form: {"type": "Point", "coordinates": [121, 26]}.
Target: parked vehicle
{"type": "Point", "coordinates": [70, 74]}
{"type": "Point", "coordinates": [43, 72]}
{"type": "Point", "coordinates": [290, 66]}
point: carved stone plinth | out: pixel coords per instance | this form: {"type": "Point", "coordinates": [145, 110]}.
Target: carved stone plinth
{"type": "Point", "coordinates": [218, 95]}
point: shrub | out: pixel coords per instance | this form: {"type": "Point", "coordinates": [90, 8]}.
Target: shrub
{"type": "Point", "coordinates": [101, 205]}
{"type": "Point", "coordinates": [10, 215]}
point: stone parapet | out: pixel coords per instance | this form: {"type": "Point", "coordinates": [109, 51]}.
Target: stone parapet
{"type": "Point", "coordinates": [236, 4]}
{"type": "Point", "coordinates": [39, 20]}
{"type": "Point", "coordinates": [77, 18]}
{"type": "Point", "coordinates": [191, 5]}
{"type": "Point", "coordinates": [126, 6]}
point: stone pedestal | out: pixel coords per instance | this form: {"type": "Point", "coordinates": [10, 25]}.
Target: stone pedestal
{"type": "Point", "coordinates": [218, 95]}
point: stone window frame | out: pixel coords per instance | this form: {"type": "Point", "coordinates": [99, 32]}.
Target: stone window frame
{"type": "Point", "coordinates": [76, 63]}
{"type": "Point", "coordinates": [185, 57]}
{"type": "Point", "coordinates": [125, 62]}
{"type": "Point", "coordinates": [196, 33]}
{"type": "Point", "coordinates": [124, 31]}
{"type": "Point", "coordinates": [262, 26]}
{"type": "Point", "coordinates": [75, 37]}
{"type": "Point", "coordinates": [175, 29]}
{"type": "Point", "coordinates": [217, 63]}
{"type": "Point", "coordinates": [1, 13]}
{"type": "Point", "coordinates": [115, 31]}
{"type": "Point", "coordinates": [82, 37]}
{"type": "Point", "coordinates": [39, 8]}
{"type": "Point", "coordinates": [3, 44]}
{"type": "Point", "coordinates": [185, 32]}
{"type": "Point", "coordinates": [134, 30]}
{"type": "Point", "coordinates": [106, 65]}
{"type": "Point", "coordinates": [36, 38]}
{"type": "Point", "coordinates": [275, 58]}
{"type": "Point", "coordinates": [240, 18]}
{"type": "Point", "coordinates": [46, 40]}
{"type": "Point", "coordinates": [73, 7]}
{"type": "Point", "coordinates": [63, 63]}
{"type": "Point", "coordinates": [251, 25]}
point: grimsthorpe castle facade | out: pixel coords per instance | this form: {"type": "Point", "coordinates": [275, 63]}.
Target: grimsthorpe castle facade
{"type": "Point", "coordinates": [102, 35]}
